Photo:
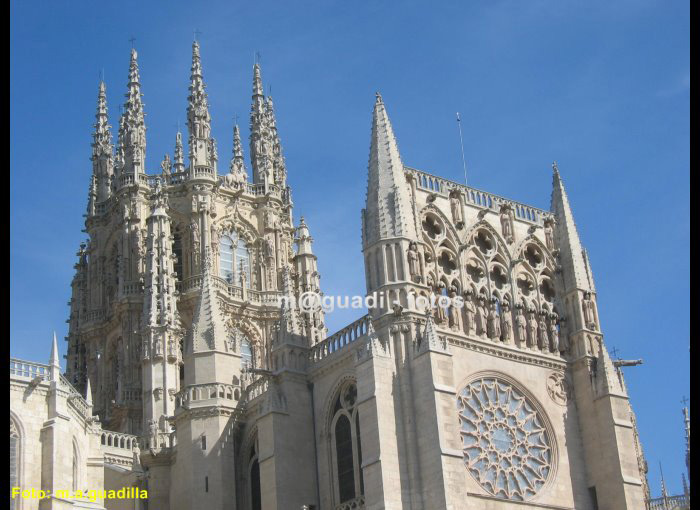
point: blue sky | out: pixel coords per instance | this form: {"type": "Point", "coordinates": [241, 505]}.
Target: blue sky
{"type": "Point", "coordinates": [601, 87]}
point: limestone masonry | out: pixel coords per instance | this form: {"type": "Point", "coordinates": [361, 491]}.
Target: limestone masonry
{"type": "Point", "coordinates": [188, 377]}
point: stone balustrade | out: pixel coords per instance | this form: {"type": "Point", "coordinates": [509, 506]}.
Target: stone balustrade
{"type": "Point", "coordinates": [29, 370]}
{"type": "Point", "coordinates": [475, 197]}
{"type": "Point", "coordinates": [198, 392]}
{"type": "Point", "coordinates": [257, 388]}
{"type": "Point", "coordinates": [337, 341]}
{"type": "Point", "coordinates": [118, 440]}
{"type": "Point", "coordinates": [265, 297]}
{"type": "Point", "coordinates": [353, 504]}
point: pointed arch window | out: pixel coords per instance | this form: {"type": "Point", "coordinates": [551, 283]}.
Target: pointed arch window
{"type": "Point", "coordinates": [346, 447]}
{"type": "Point", "coordinates": [14, 461]}
{"type": "Point", "coordinates": [234, 260]}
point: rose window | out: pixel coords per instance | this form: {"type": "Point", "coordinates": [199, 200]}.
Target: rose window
{"type": "Point", "coordinates": [505, 444]}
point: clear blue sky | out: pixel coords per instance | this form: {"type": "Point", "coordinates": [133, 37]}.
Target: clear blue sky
{"type": "Point", "coordinates": [602, 87]}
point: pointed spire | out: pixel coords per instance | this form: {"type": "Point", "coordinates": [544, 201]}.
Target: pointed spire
{"type": "Point", "coordinates": [88, 393]}
{"type": "Point", "coordinates": [238, 160]}
{"type": "Point", "coordinates": [198, 118]}
{"type": "Point", "coordinates": [387, 213]}
{"type": "Point", "coordinates": [208, 331]}
{"type": "Point", "coordinates": [102, 162]}
{"type": "Point", "coordinates": [664, 491]}
{"type": "Point", "coordinates": [686, 423]}
{"type": "Point", "coordinates": [257, 82]}
{"type": "Point", "coordinates": [573, 259]}
{"type": "Point", "coordinates": [102, 136]}
{"type": "Point", "coordinates": [178, 157]}
{"type": "Point", "coordinates": [261, 141]}
{"type": "Point", "coordinates": [132, 126]}
{"type": "Point", "coordinates": [54, 361]}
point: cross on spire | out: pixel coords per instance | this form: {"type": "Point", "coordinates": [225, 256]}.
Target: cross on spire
{"type": "Point", "coordinates": [196, 33]}
{"type": "Point", "coordinates": [132, 40]}
{"type": "Point", "coordinates": [685, 401]}
{"type": "Point", "coordinates": [257, 57]}
{"type": "Point", "coordinates": [614, 352]}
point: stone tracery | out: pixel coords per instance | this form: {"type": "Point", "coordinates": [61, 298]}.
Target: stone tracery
{"type": "Point", "coordinates": [506, 446]}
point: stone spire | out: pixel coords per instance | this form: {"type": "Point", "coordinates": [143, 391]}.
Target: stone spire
{"type": "Point", "coordinates": [260, 134]}
{"type": "Point", "coordinates": [388, 209]}
{"type": "Point", "coordinates": [54, 363]}
{"type": "Point", "coordinates": [132, 126]}
{"type": "Point", "coordinates": [238, 160]}
{"type": "Point", "coordinates": [102, 163]}
{"type": "Point", "coordinates": [607, 377]}
{"type": "Point", "coordinates": [280, 171]}
{"type": "Point", "coordinates": [178, 157]}
{"type": "Point", "coordinates": [198, 118]}
{"type": "Point", "coordinates": [208, 332]}
{"type": "Point", "coordinates": [88, 393]}
{"type": "Point", "coordinates": [577, 274]}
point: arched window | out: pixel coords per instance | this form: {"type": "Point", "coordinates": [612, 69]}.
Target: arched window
{"type": "Point", "coordinates": [14, 460]}
{"type": "Point", "coordinates": [345, 445]}
{"type": "Point", "coordinates": [76, 467]}
{"type": "Point", "coordinates": [255, 495]}
{"type": "Point", "coordinates": [234, 260]}
{"type": "Point", "coordinates": [246, 352]}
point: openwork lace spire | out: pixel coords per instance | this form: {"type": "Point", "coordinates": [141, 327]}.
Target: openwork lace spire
{"type": "Point", "coordinates": [132, 126]}
{"type": "Point", "coordinates": [238, 160]}
{"type": "Point", "coordinates": [198, 118]}
{"type": "Point", "coordinates": [102, 136]}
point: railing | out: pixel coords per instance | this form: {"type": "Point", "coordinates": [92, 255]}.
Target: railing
{"type": "Point", "coordinates": [30, 370]}
{"type": "Point", "coordinates": [680, 502]}
{"type": "Point", "coordinates": [257, 388]}
{"type": "Point", "coordinates": [478, 198]}
{"type": "Point", "coordinates": [208, 391]}
{"type": "Point", "coordinates": [265, 297]}
{"type": "Point", "coordinates": [337, 341]}
{"type": "Point", "coordinates": [118, 440]}
{"type": "Point", "coordinates": [163, 440]}
{"type": "Point", "coordinates": [94, 315]}
{"type": "Point", "coordinates": [353, 504]}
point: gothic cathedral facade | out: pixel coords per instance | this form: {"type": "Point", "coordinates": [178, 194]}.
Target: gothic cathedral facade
{"type": "Point", "coordinates": [188, 338]}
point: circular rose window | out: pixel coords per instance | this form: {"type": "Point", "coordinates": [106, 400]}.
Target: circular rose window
{"type": "Point", "coordinates": [506, 446]}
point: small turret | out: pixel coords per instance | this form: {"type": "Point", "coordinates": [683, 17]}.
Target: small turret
{"type": "Point", "coordinates": [178, 156]}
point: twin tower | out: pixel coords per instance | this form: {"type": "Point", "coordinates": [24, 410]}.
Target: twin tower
{"type": "Point", "coordinates": [180, 329]}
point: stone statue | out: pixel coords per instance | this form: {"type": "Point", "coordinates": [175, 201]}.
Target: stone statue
{"type": "Point", "coordinates": [153, 431]}
{"type": "Point", "coordinates": [549, 233]}
{"type": "Point", "coordinates": [456, 208]}
{"type": "Point", "coordinates": [158, 347]}
{"type": "Point", "coordinates": [469, 312]}
{"type": "Point", "coordinates": [506, 323]}
{"type": "Point", "coordinates": [166, 166]}
{"type": "Point", "coordinates": [493, 322]}
{"type": "Point", "coordinates": [481, 317]}
{"type": "Point", "coordinates": [507, 222]}
{"type": "Point", "coordinates": [532, 328]}
{"type": "Point", "coordinates": [553, 334]}
{"type": "Point", "coordinates": [542, 339]}
{"type": "Point", "coordinates": [563, 339]}
{"type": "Point", "coordinates": [588, 311]}
{"type": "Point", "coordinates": [454, 310]}
{"type": "Point", "coordinates": [413, 263]}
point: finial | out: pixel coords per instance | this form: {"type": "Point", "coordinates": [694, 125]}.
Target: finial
{"type": "Point", "coordinates": [379, 98]}
{"type": "Point", "coordinates": [195, 34]}
{"type": "Point", "coordinates": [132, 40]}
{"type": "Point", "coordinates": [54, 352]}
{"type": "Point", "coordinates": [555, 167]}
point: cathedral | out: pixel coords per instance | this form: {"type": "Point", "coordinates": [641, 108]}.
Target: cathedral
{"type": "Point", "coordinates": [479, 379]}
